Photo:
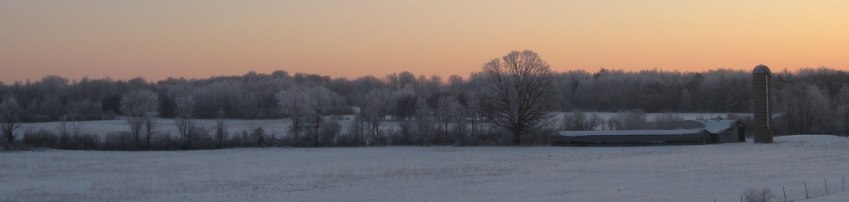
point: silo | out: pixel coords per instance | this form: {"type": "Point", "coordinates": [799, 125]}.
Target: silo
{"type": "Point", "coordinates": [761, 104]}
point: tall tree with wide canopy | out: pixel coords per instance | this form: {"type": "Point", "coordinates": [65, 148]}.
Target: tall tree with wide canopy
{"type": "Point", "coordinates": [517, 92]}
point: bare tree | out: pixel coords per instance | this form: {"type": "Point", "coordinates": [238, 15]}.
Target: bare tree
{"type": "Point", "coordinates": [10, 116]}
{"type": "Point", "coordinates": [758, 195]}
{"type": "Point", "coordinates": [323, 102]}
{"type": "Point", "coordinates": [841, 106]}
{"type": "Point", "coordinates": [374, 110]}
{"type": "Point", "coordinates": [138, 106]}
{"type": "Point", "coordinates": [294, 102]}
{"type": "Point", "coordinates": [448, 110]}
{"type": "Point", "coordinates": [185, 107]}
{"type": "Point", "coordinates": [424, 122]}
{"type": "Point", "coordinates": [578, 121]}
{"type": "Point", "coordinates": [518, 92]}
{"type": "Point", "coordinates": [68, 127]}
{"type": "Point", "coordinates": [629, 120]}
{"type": "Point", "coordinates": [667, 121]}
{"type": "Point", "coordinates": [220, 128]}
{"type": "Point", "coordinates": [149, 128]}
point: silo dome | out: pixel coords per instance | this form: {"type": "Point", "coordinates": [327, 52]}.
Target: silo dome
{"type": "Point", "coordinates": [761, 69]}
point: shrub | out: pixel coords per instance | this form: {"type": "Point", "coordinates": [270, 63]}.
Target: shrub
{"type": "Point", "coordinates": [82, 141]}
{"type": "Point", "coordinates": [119, 141]}
{"type": "Point", "coordinates": [41, 138]}
{"type": "Point", "coordinates": [758, 195]}
{"type": "Point", "coordinates": [328, 131]}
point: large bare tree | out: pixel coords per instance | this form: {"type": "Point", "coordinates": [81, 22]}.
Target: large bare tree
{"type": "Point", "coordinates": [517, 92]}
{"type": "Point", "coordinates": [10, 116]}
{"type": "Point", "coordinates": [138, 106]}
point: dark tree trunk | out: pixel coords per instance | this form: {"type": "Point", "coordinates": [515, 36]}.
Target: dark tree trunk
{"type": "Point", "coordinates": [517, 137]}
{"type": "Point", "coordinates": [10, 139]}
{"type": "Point", "coordinates": [317, 125]}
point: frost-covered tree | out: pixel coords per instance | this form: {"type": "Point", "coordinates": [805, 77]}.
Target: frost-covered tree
{"type": "Point", "coordinates": [321, 102]}
{"type": "Point", "coordinates": [296, 104]}
{"type": "Point", "coordinates": [518, 92]}
{"type": "Point", "coordinates": [10, 116]}
{"type": "Point", "coordinates": [138, 107]}
{"type": "Point", "coordinates": [403, 103]}
{"type": "Point", "coordinates": [804, 108]}
{"type": "Point", "coordinates": [374, 110]}
{"type": "Point", "coordinates": [448, 110]}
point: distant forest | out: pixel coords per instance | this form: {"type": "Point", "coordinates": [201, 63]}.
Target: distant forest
{"type": "Point", "coordinates": [808, 100]}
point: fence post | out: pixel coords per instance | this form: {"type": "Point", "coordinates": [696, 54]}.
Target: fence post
{"type": "Point", "coordinates": [826, 186]}
{"type": "Point", "coordinates": [843, 183]}
{"type": "Point", "coordinates": [785, 194]}
{"type": "Point", "coordinates": [806, 190]}
{"type": "Point", "coordinates": [741, 198]}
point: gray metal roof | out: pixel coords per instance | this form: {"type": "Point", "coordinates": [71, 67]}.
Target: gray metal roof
{"type": "Point", "coordinates": [629, 132]}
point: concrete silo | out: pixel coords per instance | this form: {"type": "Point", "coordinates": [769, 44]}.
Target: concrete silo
{"type": "Point", "coordinates": [761, 104]}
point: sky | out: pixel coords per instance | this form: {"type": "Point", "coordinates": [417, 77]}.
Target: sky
{"type": "Point", "coordinates": [157, 39]}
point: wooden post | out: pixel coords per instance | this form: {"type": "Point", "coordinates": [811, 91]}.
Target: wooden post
{"type": "Point", "coordinates": [826, 186]}
{"type": "Point", "coordinates": [785, 194]}
{"type": "Point", "coordinates": [806, 190]}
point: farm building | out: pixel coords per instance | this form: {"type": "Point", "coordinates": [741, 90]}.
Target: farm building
{"type": "Point", "coordinates": [721, 131]}
{"type": "Point", "coordinates": [694, 132]}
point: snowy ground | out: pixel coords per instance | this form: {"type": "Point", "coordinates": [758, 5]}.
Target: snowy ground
{"type": "Point", "coordinates": [272, 126]}
{"type": "Point", "coordinates": [658, 173]}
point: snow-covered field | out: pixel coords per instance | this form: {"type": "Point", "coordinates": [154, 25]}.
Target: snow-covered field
{"type": "Point", "coordinates": [272, 126]}
{"type": "Point", "coordinates": [657, 173]}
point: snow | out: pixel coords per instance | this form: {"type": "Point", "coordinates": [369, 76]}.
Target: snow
{"type": "Point", "coordinates": [717, 126]}
{"type": "Point", "coordinates": [720, 172]}
{"type": "Point", "coordinates": [839, 197]}
{"type": "Point", "coordinates": [628, 132]}
{"type": "Point", "coordinates": [272, 126]}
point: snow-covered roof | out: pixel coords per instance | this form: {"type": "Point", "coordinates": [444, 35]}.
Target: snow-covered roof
{"type": "Point", "coordinates": [628, 132]}
{"type": "Point", "coordinates": [717, 126]}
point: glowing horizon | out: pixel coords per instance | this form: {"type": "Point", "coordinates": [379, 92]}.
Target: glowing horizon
{"type": "Point", "coordinates": [198, 39]}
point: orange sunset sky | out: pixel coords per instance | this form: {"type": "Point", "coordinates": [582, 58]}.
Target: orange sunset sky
{"type": "Point", "coordinates": [156, 39]}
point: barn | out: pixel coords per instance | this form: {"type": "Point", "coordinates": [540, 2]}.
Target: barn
{"type": "Point", "coordinates": [692, 132]}
{"type": "Point", "coordinates": [722, 131]}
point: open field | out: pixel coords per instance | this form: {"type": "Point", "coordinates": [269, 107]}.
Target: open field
{"type": "Point", "coordinates": [660, 173]}
{"type": "Point", "coordinates": [272, 126]}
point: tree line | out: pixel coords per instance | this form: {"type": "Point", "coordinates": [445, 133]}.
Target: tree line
{"type": "Point", "coordinates": [806, 101]}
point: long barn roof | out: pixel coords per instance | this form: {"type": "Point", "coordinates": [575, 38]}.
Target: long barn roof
{"type": "Point", "coordinates": [629, 133]}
